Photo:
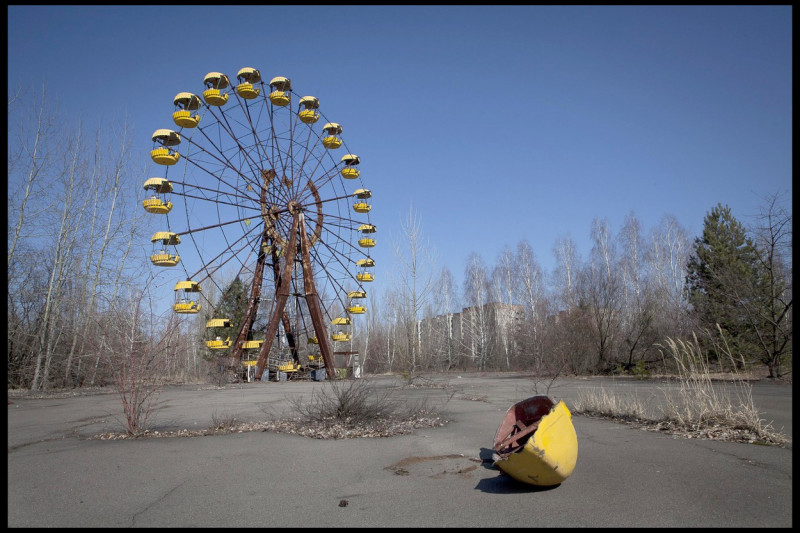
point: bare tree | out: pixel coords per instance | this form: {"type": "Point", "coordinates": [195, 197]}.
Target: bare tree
{"type": "Point", "coordinates": [35, 145]}
{"type": "Point", "coordinates": [769, 306]}
{"type": "Point", "coordinates": [566, 272]}
{"type": "Point", "coordinates": [475, 319]}
{"type": "Point", "coordinates": [414, 281]}
{"type": "Point", "coordinates": [531, 293]}
{"type": "Point", "coordinates": [108, 181]}
{"type": "Point", "coordinates": [448, 303]}
{"type": "Point", "coordinates": [73, 208]}
{"type": "Point", "coordinates": [666, 257]}
{"type": "Point", "coordinates": [636, 311]}
{"type": "Point", "coordinates": [503, 289]}
{"type": "Point", "coordinates": [135, 349]}
{"type": "Point", "coordinates": [600, 291]}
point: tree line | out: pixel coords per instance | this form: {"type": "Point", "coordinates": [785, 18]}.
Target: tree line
{"type": "Point", "coordinates": [609, 312]}
{"type": "Point", "coordinates": [81, 291]}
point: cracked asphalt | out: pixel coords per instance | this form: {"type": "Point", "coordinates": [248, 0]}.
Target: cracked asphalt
{"type": "Point", "coordinates": [59, 476]}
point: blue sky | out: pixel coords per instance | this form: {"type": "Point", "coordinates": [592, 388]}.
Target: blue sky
{"type": "Point", "coordinates": [496, 123]}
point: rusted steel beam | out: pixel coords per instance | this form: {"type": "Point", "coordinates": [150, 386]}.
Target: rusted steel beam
{"type": "Point", "coordinates": [287, 325]}
{"type": "Point", "coordinates": [255, 291]}
{"type": "Point", "coordinates": [281, 296]}
{"type": "Point", "coordinates": [512, 441]}
{"type": "Point", "coordinates": [312, 299]}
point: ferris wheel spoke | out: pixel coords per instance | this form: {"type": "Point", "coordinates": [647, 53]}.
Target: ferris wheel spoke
{"type": "Point", "coordinates": [224, 162]}
{"type": "Point", "coordinates": [219, 201]}
{"type": "Point", "coordinates": [248, 245]}
{"type": "Point", "coordinates": [212, 226]}
{"type": "Point", "coordinates": [308, 151]}
{"type": "Point", "coordinates": [242, 270]}
{"type": "Point", "coordinates": [247, 151]}
{"type": "Point", "coordinates": [257, 142]}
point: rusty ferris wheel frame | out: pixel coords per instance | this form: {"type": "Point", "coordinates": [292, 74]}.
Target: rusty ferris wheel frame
{"type": "Point", "coordinates": [267, 186]}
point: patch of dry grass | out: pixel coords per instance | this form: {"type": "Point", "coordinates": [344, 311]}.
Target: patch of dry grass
{"type": "Point", "coordinates": [339, 410]}
{"type": "Point", "coordinates": [602, 403]}
{"type": "Point", "coordinates": [703, 407]}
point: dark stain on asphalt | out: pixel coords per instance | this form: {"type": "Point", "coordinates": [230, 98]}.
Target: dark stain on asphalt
{"type": "Point", "coordinates": [435, 466]}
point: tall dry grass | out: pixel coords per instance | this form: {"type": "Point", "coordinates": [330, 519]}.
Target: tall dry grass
{"type": "Point", "coordinates": [700, 403]}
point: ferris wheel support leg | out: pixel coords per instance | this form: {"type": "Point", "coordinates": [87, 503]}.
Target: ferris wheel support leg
{"type": "Point", "coordinates": [287, 328]}
{"type": "Point", "coordinates": [255, 292]}
{"type": "Point", "coordinates": [250, 312]}
{"type": "Point", "coordinates": [287, 324]}
{"type": "Point", "coordinates": [280, 302]}
{"type": "Point", "coordinates": [312, 300]}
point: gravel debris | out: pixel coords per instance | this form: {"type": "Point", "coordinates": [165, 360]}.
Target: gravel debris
{"type": "Point", "coordinates": [326, 429]}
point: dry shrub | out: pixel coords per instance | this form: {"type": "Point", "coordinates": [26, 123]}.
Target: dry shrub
{"type": "Point", "coordinates": [350, 402]}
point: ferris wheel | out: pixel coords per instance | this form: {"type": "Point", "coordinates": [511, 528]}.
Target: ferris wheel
{"type": "Point", "coordinates": [255, 183]}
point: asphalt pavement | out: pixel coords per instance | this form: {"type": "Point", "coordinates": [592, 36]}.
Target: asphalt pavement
{"type": "Point", "coordinates": [58, 476]}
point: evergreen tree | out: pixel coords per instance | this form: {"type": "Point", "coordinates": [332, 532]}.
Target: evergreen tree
{"type": "Point", "coordinates": [722, 274]}
{"type": "Point", "coordinates": [231, 305]}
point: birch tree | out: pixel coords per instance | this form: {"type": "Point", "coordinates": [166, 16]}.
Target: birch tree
{"type": "Point", "coordinates": [600, 290]}
{"type": "Point", "coordinates": [636, 310]}
{"type": "Point", "coordinates": [33, 151]}
{"type": "Point", "coordinates": [474, 317]}
{"type": "Point", "coordinates": [566, 272]}
{"type": "Point", "coordinates": [448, 304]}
{"type": "Point", "coordinates": [666, 258]}
{"type": "Point", "coordinates": [504, 283]}
{"type": "Point", "coordinates": [531, 293]}
{"type": "Point", "coordinates": [73, 207]}
{"type": "Point", "coordinates": [414, 280]}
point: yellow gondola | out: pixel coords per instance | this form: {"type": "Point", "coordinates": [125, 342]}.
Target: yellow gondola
{"type": "Point", "coordinates": [247, 78]}
{"type": "Point", "coordinates": [536, 443]}
{"type": "Point", "coordinates": [252, 345]}
{"type": "Point", "coordinates": [350, 161]}
{"type": "Point", "coordinates": [365, 275]}
{"type": "Point", "coordinates": [355, 307]}
{"type": "Point", "coordinates": [289, 366]}
{"type": "Point", "coordinates": [219, 344]}
{"type": "Point", "coordinates": [331, 141]}
{"type": "Point", "coordinates": [280, 88]}
{"type": "Point", "coordinates": [161, 256]}
{"type": "Point", "coordinates": [340, 334]}
{"type": "Point", "coordinates": [309, 113]}
{"type": "Point", "coordinates": [215, 83]}
{"type": "Point", "coordinates": [186, 106]}
{"type": "Point", "coordinates": [362, 206]}
{"type": "Point", "coordinates": [367, 242]}
{"type": "Point", "coordinates": [155, 203]}
{"type": "Point", "coordinates": [214, 324]}
{"type": "Point", "coordinates": [163, 153]}
{"type": "Point", "coordinates": [184, 297]}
